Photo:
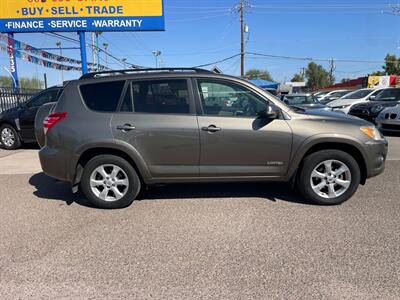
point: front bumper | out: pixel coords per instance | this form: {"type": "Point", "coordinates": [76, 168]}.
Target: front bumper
{"type": "Point", "coordinates": [376, 152]}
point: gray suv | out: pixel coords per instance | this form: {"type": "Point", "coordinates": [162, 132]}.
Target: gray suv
{"type": "Point", "coordinates": [112, 133]}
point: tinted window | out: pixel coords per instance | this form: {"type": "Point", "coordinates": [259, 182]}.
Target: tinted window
{"type": "Point", "coordinates": [358, 94]}
{"type": "Point", "coordinates": [127, 105]}
{"type": "Point", "coordinates": [229, 100]}
{"type": "Point", "coordinates": [388, 95]}
{"type": "Point", "coordinates": [102, 96]}
{"type": "Point", "coordinates": [338, 94]}
{"type": "Point", "coordinates": [43, 98]}
{"type": "Point", "coordinates": [161, 96]}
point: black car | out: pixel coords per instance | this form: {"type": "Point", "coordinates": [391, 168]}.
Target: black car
{"type": "Point", "coordinates": [17, 124]}
{"type": "Point", "coordinates": [370, 110]}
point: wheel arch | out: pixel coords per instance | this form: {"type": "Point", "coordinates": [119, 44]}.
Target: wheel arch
{"type": "Point", "coordinates": [349, 146]}
{"type": "Point", "coordinates": [134, 159]}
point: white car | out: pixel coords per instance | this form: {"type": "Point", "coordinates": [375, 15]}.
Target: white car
{"type": "Point", "coordinates": [344, 104]}
{"type": "Point", "coordinates": [389, 119]}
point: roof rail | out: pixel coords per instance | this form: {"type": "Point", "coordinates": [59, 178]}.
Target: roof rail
{"type": "Point", "coordinates": [135, 71]}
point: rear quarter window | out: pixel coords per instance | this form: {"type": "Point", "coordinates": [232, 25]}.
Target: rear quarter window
{"type": "Point", "coordinates": [102, 96]}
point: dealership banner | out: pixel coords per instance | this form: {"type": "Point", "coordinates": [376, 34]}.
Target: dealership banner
{"type": "Point", "coordinates": [18, 45]}
{"type": "Point", "coordinates": [381, 81]}
{"type": "Point", "coordinates": [78, 15]}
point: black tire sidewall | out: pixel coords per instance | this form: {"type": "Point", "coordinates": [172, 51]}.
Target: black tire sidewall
{"type": "Point", "coordinates": [17, 141]}
{"type": "Point", "coordinates": [311, 161]}
{"type": "Point", "coordinates": [134, 181]}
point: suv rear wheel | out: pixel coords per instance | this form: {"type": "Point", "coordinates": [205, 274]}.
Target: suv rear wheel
{"type": "Point", "coordinates": [109, 181]}
{"type": "Point", "coordinates": [9, 137]}
{"type": "Point", "coordinates": [329, 177]}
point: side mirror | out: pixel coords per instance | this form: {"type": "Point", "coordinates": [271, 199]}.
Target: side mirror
{"type": "Point", "coordinates": [271, 112]}
{"type": "Point", "coordinates": [372, 98]}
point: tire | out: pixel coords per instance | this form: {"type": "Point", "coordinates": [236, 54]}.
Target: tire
{"type": "Point", "coordinates": [106, 192]}
{"type": "Point", "coordinates": [329, 188]}
{"type": "Point", "coordinates": [9, 137]}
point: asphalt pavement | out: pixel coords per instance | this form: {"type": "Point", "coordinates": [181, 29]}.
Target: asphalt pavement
{"type": "Point", "coordinates": [209, 241]}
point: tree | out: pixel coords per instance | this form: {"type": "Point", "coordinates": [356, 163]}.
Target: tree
{"type": "Point", "coordinates": [317, 76]}
{"type": "Point", "coordinates": [24, 83]}
{"type": "Point", "coordinates": [391, 67]}
{"type": "Point", "coordinates": [258, 74]}
{"type": "Point", "coordinates": [297, 78]}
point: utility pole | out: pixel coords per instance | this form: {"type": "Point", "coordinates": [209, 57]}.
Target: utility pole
{"type": "Point", "coordinates": [241, 8]}
{"type": "Point", "coordinates": [332, 68]}
{"type": "Point", "coordinates": [58, 44]}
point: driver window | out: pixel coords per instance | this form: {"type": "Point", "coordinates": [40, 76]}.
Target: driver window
{"type": "Point", "coordinates": [43, 98]}
{"type": "Point", "coordinates": [229, 100]}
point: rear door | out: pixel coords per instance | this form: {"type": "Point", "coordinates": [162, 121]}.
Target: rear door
{"type": "Point", "coordinates": [234, 140]}
{"type": "Point", "coordinates": [158, 118]}
{"type": "Point", "coordinates": [27, 117]}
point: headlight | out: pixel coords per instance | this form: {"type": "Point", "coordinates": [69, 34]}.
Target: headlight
{"type": "Point", "coordinates": [372, 132]}
{"type": "Point", "coordinates": [376, 108]}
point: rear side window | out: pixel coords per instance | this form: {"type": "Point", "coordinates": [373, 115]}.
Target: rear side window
{"type": "Point", "coordinates": [103, 96]}
{"type": "Point", "coordinates": [159, 97]}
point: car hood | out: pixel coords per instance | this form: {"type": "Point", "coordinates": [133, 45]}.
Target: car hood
{"type": "Point", "coordinates": [334, 116]}
{"type": "Point", "coordinates": [370, 104]}
{"type": "Point", "coordinates": [312, 106]}
{"type": "Point", "coordinates": [341, 102]}
{"type": "Point", "coordinates": [393, 109]}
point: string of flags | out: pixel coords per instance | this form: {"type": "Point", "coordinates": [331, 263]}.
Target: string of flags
{"type": "Point", "coordinates": [45, 58]}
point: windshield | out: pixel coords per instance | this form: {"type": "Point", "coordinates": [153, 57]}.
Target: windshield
{"type": "Point", "coordinates": [358, 94]}
{"type": "Point", "coordinates": [388, 95]}
{"type": "Point", "coordinates": [338, 94]}
{"type": "Point", "coordinates": [299, 100]}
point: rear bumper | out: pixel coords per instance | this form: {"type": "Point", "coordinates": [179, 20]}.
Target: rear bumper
{"type": "Point", "coordinates": [376, 152]}
{"type": "Point", "coordinates": [57, 163]}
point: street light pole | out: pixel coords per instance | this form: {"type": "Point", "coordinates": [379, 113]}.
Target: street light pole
{"type": "Point", "coordinates": [156, 54]}
{"type": "Point", "coordinates": [58, 44]}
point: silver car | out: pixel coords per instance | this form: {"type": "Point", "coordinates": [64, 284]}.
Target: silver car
{"type": "Point", "coordinates": [389, 119]}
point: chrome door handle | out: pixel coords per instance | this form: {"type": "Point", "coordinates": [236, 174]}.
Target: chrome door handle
{"type": "Point", "coordinates": [211, 128]}
{"type": "Point", "coordinates": [126, 127]}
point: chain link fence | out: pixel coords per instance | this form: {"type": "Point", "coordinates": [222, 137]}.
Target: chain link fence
{"type": "Point", "coordinates": [10, 98]}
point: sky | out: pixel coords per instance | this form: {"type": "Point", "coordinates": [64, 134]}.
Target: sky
{"type": "Point", "coordinates": [204, 31]}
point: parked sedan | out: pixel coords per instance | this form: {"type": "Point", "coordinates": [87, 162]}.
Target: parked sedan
{"type": "Point", "coordinates": [344, 104]}
{"type": "Point", "coordinates": [389, 119]}
{"type": "Point", "coordinates": [304, 101]}
{"type": "Point", "coordinates": [371, 109]}
{"type": "Point", "coordinates": [17, 124]}
{"type": "Point", "coordinates": [333, 95]}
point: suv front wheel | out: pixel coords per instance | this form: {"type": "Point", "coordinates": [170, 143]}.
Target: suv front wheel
{"type": "Point", "coordinates": [109, 181]}
{"type": "Point", "coordinates": [9, 137]}
{"type": "Point", "coordinates": [329, 177]}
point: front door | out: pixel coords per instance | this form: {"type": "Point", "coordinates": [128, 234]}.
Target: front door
{"type": "Point", "coordinates": [234, 140]}
{"type": "Point", "coordinates": [157, 117]}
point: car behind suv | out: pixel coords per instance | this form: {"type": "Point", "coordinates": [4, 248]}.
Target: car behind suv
{"type": "Point", "coordinates": [17, 124]}
{"type": "Point", "coordinates": [111, 133]}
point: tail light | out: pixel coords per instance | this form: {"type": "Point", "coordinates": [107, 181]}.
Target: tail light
{"type": "Point", "coordinates": [52, 119]}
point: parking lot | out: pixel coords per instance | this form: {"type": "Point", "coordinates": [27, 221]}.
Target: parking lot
{"type": "Point", "coordinates": [203, 241]}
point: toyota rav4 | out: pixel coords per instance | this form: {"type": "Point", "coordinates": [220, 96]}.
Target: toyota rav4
{"type": "Point", "coordinates": [112, 133]}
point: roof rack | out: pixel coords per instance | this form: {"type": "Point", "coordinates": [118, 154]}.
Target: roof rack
{"type": "Point", "coordinates": [135, 71]}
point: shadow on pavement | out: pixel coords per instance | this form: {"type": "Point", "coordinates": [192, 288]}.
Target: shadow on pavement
{"type": "Point", "coordinates": [52, 189]}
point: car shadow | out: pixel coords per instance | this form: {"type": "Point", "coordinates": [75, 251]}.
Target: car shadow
{"type": "Point", "coordinates": [52, 189]}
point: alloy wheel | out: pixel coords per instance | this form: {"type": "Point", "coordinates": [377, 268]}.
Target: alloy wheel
{"type": "Point", "coordinates": [330, 179]}
{"type": "Point", "coordinates": [109, 182]}
{"type": "Point", "coordinates": [7, 137]}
